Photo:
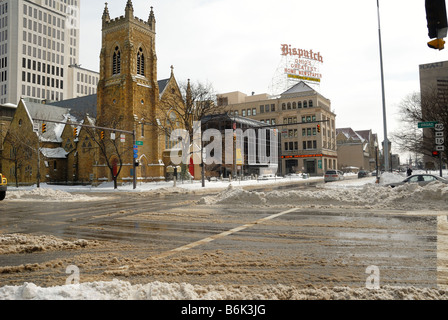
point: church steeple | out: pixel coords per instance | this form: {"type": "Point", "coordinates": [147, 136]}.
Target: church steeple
{"type": "Point", "coordinates": [152, 20]}
{"type": "Point", "coordinates": [189, 96]}
{"type": "Point", "coordinates": [129, 11]}
{"type": "Point", "coordinates": [106, 16]}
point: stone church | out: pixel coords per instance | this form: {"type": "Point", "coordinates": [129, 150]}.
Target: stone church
{"type": "Point", "coordinates": [129, 98]}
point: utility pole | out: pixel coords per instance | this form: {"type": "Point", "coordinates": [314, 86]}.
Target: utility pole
{"type": "Point", "coordinates": [38, 160]}
{"type": "Point", "coordinates": [386, 141]}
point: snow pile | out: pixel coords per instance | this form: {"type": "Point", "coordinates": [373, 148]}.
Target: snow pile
{"type": "Point", "coordinates": [235, 195]}
{"type": "Point", "coordinates": [47, 194]}
{"type": "Point", "coordinates": [26, 243]}
{"type": "Point", "coordinates": [122, 290]}
{"type": "Point", "coordinates": [389, 177]}
{"type": "Point", "coordinates": [410, 196]}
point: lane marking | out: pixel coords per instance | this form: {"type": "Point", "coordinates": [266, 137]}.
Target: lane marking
{"type": "Point", "coordinates": [124, 269]}
{"type": "Point", "coordinates": [221, 235]}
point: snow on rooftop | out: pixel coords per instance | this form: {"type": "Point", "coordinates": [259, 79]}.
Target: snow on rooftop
{"type": "Point", "coordinates": [54, 153]}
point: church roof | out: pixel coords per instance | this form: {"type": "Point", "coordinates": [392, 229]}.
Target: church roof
{"type": "Point", "coordinates": [162, 84]}
{"type": "Point", "coordinates": [49, 112]}
{"type": "Point", "coordinates": [81, 105]}
{"type": "Point", "coordinates": [88, 104]}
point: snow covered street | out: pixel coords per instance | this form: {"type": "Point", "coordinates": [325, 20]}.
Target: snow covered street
{"type": "Point", "coordinates": [349, 194]}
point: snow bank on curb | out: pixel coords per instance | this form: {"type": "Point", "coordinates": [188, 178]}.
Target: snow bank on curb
{"type": "Point", "coordinates": [122, 290]}
{"type": "Point", "coordinates": [47, 194]}
{"type": "Point", "coordinates": [411, 196]}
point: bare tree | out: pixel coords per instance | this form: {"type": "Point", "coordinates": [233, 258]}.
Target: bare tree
{"type": "Point", "coordinates": [415, 108]}
{"type": "Point", "coordinates": [111, 150]}
{"type": "Point", "coordinates": [181, 111]}
{"type": "Point", "coordinates": [22, 149]}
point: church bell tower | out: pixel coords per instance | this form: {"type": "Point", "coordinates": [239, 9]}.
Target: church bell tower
{"type": "Point", "coordinates": [128, 92]}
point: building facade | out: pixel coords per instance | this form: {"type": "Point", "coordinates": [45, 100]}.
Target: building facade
{"type": "Point", "coordinates": [81, 82]}
{"type": "Point", "coordinates": [305, 123]}
{"type": "Point", "coordinates": [357, 150]}
{"type": "Point", "coordinates": [434, 91]}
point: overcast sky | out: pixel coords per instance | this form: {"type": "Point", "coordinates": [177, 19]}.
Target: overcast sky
{"type": "Point", "coordinates": [235, 45]}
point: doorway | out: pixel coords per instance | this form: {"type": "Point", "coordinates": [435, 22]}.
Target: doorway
{"type": "Point", "coordinates": [310, 166]}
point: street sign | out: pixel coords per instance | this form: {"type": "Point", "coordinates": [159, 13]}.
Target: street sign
{"type": "Point", "coordinates": [439, 127]}
{"type": "Point", "coordinates": [122, 138]}
{"type": "Point", "coordinates": [139, 143]}
{"type": "Point", "coordinates": [429, 124]}
{"type": "Point", "coordinates": [440, 148]}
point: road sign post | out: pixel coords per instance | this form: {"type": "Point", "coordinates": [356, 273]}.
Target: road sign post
{"type": "Point", "coordinates": [427, 124]}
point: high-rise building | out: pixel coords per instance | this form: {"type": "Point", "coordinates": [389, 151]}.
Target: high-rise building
{"type": "Point", "coordinates": [39, 40]}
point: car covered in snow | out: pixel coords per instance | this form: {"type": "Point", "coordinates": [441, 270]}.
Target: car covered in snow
{"type": "Point", "coordinates": [333, 175]}
{"type": "Point", "coordinates": [420, 179]}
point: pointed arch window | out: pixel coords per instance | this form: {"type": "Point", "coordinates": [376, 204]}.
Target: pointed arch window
{"type": "Point", "coordinates": [140, 62]}
{"type": "Point", "coordinates": [116, 61]}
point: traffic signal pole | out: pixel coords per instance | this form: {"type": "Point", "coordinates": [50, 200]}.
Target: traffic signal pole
{"type": "Point", "coordinates": [134, 167]}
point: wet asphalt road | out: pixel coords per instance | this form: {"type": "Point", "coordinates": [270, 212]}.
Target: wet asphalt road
{"type": "Point", "coordinates": [257, 245]}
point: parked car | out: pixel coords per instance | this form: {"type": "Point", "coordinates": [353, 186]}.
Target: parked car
{"type": "Point", "coordinates": [362, 174]}
{"type": "Point", "coordinates": [421, 179]}
{"type": "Point", "coordinates": [333, 175]}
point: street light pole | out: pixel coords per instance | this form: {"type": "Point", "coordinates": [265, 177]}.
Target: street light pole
{"type": "Point", "coordinates": [386, 141]}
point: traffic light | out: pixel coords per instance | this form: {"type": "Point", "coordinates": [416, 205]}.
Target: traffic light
{"type": "Point", "coordinates": [437, 44]}
{"type": "Point", "coordinates": [437, 22]}
{"type": "Point", "coordinates": [102, 135]}
{"type": "Point", "coordinates": [318, 128]}
{"type": "Point", "coordinates": [75, 132]}
{"type": "Point", "coordinates": [435, 153]}
{"type": "Point", "coordinates": [44, 127]}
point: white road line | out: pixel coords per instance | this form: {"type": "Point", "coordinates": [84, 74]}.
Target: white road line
{"type": "Point", "coordinates": [223, 234]}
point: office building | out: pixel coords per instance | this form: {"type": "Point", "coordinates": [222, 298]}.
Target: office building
{"type": "Point", "coordinates": [39, 40]}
